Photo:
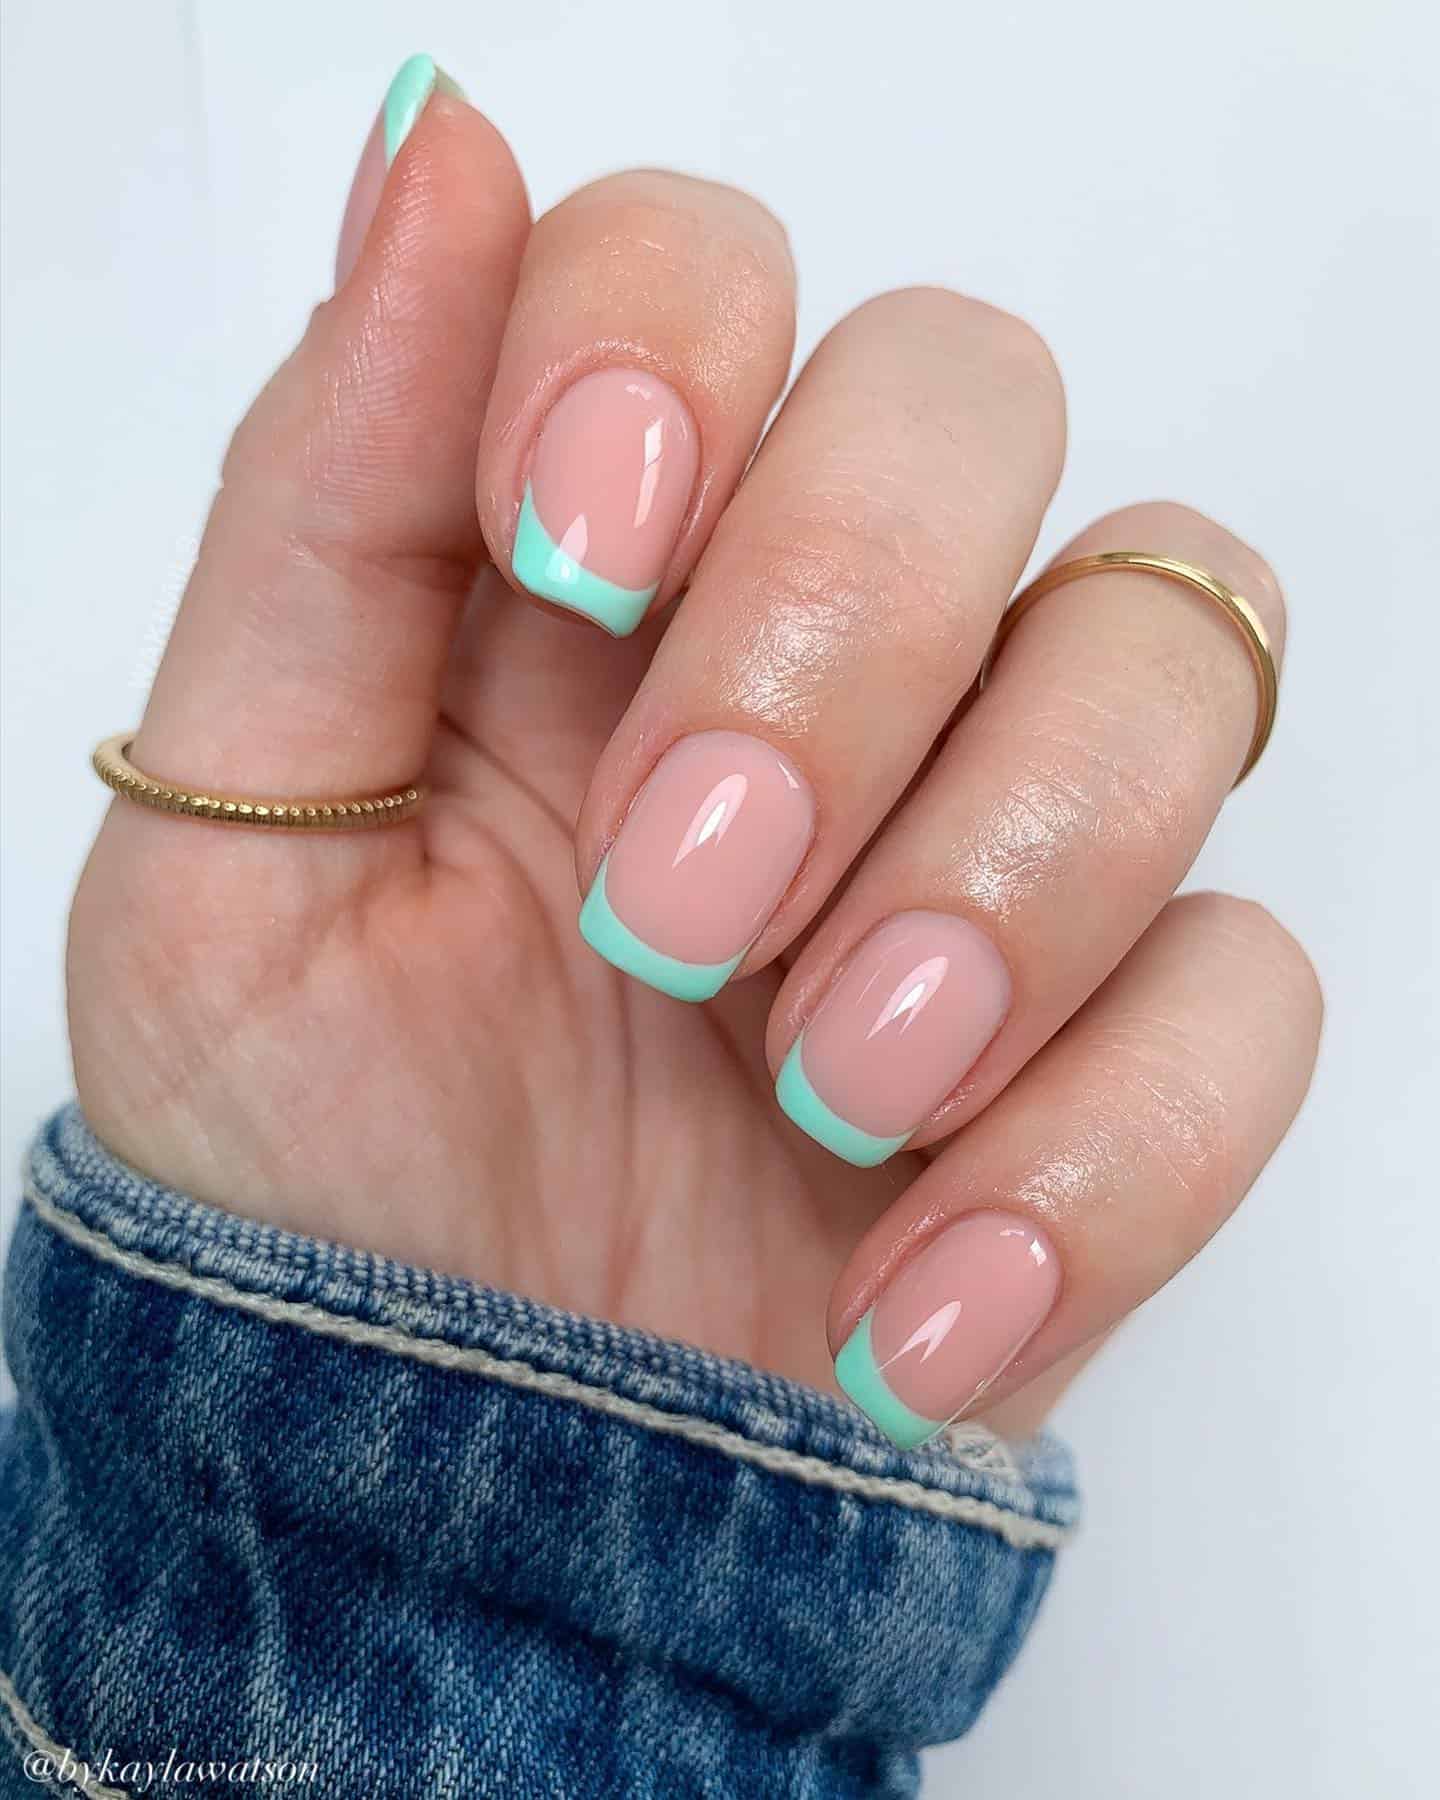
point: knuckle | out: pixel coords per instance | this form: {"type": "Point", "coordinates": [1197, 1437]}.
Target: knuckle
{"type": "Point", "coordinates": [1012, 354]}
{"type": "Point", "coordinates": [1018, 347]}
{"type": "Point", "coordinates": [1125, 800]}
{"type": "Point", "coordinates": [1172, 528]}
{"type": "Point", "coordinates": [641, 269]}
{"type": "Point", "coordinates": [1142, 798]}
{"type": "Point", "coordinates": [878, 564]}
{"type": "Point", "coordinates": [716, 202]}
{"type": "Point", "coordinates": [684, 213]}
{"type": "Point", "coordinates": [1272, 955]}
{"type": "Point", "coordinates": [1168, 1114]}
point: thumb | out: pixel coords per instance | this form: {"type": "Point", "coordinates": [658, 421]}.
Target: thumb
{"type": "Point", "coordinates": [308, 653]}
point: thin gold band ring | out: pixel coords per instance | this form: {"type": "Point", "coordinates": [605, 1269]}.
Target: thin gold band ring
{"type": "Point", "coordinates": [112, 764]}
{"type": "Point", "coordinates": [1238, 610]}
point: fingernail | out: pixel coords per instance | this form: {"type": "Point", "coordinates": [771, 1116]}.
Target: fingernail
{"type": "Point", "coordinates": [703, 858]}
{"type": "Point", "coordinates": [912, 1010]}
{"type": "Point", "coordinates": [405, 99]}
{"type": "Point", "coordinates": [418, 78]}
{"type": "Point", "coordinates": [955, 1317]}
{"type": "Point", "coordinates": [606, 495]}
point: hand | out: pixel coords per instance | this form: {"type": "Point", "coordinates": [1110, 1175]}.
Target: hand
{"type": "Point", "coordinates": [399, 1040]}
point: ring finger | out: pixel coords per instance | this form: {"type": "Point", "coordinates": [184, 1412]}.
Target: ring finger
{"type": "Point", "coordinates": [1063, 812]}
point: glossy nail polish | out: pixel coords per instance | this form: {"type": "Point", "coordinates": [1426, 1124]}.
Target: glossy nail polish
{"type": "Point", "coordinates": [705, 854]}
{"type": "Point", "coordinates": [606, 495]}
{"type": "Point", "coordinates": [911, 1011]}
{"type": "Point", "coordinates": [405, 99]}
{"type": "Point", "coordinates": [952, 1319]}
{"type": "Point", "coordinates": [416, 80]}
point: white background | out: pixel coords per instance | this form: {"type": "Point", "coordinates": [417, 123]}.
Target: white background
{"type": "Point", "coordinates": [1221, 217]}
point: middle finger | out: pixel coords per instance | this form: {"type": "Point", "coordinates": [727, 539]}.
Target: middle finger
{"type": "Point", "coordinates": [836, 619]}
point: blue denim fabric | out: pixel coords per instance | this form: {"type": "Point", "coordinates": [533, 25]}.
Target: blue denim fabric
{"type": "Point", "coordinates": [269, 1497]}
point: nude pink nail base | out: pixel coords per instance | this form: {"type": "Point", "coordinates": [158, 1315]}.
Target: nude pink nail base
{"type": "Point", "coordinates": [608, 488]}
{"type": "Point", "coordinates": [704, 856]}
{"type": "Point", "coordinates": [912, 1009]}
{"type": "Point", "coordinates": [949, 1324]}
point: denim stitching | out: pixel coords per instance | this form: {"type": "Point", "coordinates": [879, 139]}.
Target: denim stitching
{"type": "Point", "coordinates": [39, 1739]}
{"type": "Point", "coordinates": [1021, 1532]}
{"type": "Point", "coordinates": [67, 1152]}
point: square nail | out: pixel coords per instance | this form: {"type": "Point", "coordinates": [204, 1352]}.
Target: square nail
{"type": "Point", "coordinates": [911, 1011]}
{"type": "Point", "coordinates": [949, 1323]}
{"type": "Point", "coordinates": [703, 858]}
{"type": "Point", "coordinates": [607, 493]}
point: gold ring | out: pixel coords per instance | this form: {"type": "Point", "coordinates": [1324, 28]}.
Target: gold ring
{"type": "Point", "coordinates": [112, 764]}
{"type": "Point", "coordinates": [1239, 611]}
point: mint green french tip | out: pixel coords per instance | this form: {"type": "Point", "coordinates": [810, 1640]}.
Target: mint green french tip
{"type": "Point", "coordinates": [405, 98]}
{"type": "Point", "coordinates": [609, 937]}
{"type": "Point", "coordinates": [542, 567]}
{"type": "Point", "coordinates": [804, 1107]}
{"type": "Point", "coordinates": [859, 1375]}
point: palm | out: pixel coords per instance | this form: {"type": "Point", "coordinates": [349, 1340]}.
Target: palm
{"type": "Point", "coordinates": [402, 1042]}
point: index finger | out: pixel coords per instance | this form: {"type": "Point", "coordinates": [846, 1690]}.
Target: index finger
{"type": "Point", "coordinates": [649, 338]}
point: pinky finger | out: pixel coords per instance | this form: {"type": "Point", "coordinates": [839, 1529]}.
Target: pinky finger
{"type": "Point", "coordinates": [1092, 1180]}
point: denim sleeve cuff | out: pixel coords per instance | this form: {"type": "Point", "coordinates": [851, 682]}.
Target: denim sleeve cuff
{"type": "Point", "coordinates": [268, 1495]}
